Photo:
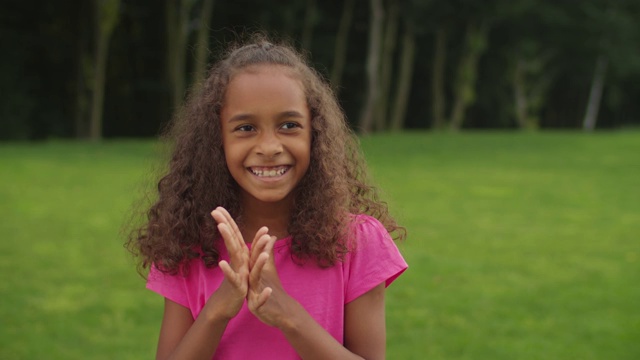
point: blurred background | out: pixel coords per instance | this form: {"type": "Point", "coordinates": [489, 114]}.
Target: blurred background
{"type": "Point", "coordinates": [119, 68]}
{"type": "Point", "coordinates": [522, 238]}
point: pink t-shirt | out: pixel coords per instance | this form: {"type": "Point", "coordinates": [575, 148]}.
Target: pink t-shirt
{"type": "Point", "coordinates": [323, 292]}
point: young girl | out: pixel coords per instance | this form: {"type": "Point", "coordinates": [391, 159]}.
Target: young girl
{"type": "Point", "coordinates": [294, 259]}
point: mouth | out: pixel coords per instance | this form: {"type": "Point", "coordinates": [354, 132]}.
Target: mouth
{"type": "Point", "coordinates": [269, 171]}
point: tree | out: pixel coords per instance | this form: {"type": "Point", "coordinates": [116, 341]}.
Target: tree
{"type": "Point", "coordinates": [84, 69]}
{"type": "Point", "coordinates": [464, 87]}
{"type": "Point", "coordinates": [373, 63]}
{"type": "Point", "coordinates": [531, 49]}
{"type": "Point", "coordinates": [595, 95]}
{"type": "Point", "coordinates": [177, 25]}
{"type": "Point", "coordinates": [340, 49]}
{"type": "Point", "coordinates": [407, 59]}
{"type": "Point", "coordinates": [201, 59]}
{"type": "Point", "coordinates": [106, 19]}
{"type": "Point", "coordinates": [476, 19]}
{"type": "Point", "coordinates": [437, 78]}
{"type": "Point", "coordinates": [531, 79]}
{"type": "Point", "coordinates": [613, 31]}
{"type": "Point", "coordinates": [310, 17]}
{"type": "Point", "coordinates": [386, 65]}
{"type": "Point", "coordinates": [489, 64]}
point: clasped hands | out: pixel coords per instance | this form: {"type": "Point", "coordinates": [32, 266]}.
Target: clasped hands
{"type": "Point", "coordinates": [249, 274]}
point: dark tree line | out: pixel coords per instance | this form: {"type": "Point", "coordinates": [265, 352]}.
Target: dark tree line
{"type": "Point", "coordinates": [109, 68]}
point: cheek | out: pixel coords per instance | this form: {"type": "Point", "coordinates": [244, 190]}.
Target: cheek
{"type": "Point", "coordinates": [228, 157]}
{"type": "Point", "coordinates": [232, 161]}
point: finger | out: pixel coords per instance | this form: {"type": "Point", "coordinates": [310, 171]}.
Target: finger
{"type": "Point", "coordinates": [256, 270]}
{"type": "Point", "coordinates": [218, 216]}
{"type": "Point", "coordinates": [268, 249]}
{"type": "Point", "coordinates": [263, 244]}
{"type": "Point", "coordinates": [269, 246]}
{"type": "Point", "coordinates": [239, 257]}
{"type": "Point", "coordinates": [262, 231]}
{"type": "Point", "coordinates": [221, 216]}
{"type": "Point", "coordinates": [255, 300]}
{"type": "Point", "coordinates": [229, 242]}
{"type": "Point", "coordinates": [228, 272]}
{"type": "Point", "coordinates": [259, 246]}
{"type": "Point", "coordinates": [232, 224]}
{"type": "Point", "coordinates": [263, 297]}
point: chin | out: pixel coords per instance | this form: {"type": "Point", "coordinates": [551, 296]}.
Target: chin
{"type": "Point", "coordinates": [271, 199]}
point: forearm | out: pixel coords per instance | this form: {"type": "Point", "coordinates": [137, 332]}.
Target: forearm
{"type": "Point", "coordinates": [201, 340]}
{"type": "Point", "coordinates": [310, 340]}
{"type": "Point", "coordinates": [182, 337]}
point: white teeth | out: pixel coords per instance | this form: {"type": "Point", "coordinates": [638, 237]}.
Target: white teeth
{"type": "Point", "coordinates": [269, 173]}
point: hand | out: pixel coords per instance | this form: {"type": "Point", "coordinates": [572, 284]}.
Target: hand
{"type": "Point", "coordinates": [266, 298]}
{"type": "Point", "coordinates": [231, 294]}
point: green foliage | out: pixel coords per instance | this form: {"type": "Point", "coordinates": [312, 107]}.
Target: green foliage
{"type": "Point", "coordinates": [520, 246]}
{"type": "Point", "coordinates": [109, 14]}
{"type": "Point", "coordinates": [43, 72]}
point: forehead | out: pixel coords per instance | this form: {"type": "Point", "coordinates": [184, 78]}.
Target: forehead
{"type": "Point", "coordinates": [264, 79]}
{"type": "Point", "coordinates": [266, 70]}
{"type": "Point", "coordinates": [264, 89]}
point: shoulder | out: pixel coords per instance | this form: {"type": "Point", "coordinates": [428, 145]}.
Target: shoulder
{"type": "Point", "coordinates": [366, 229]}
{"type": "Point", "coordinates": [373, 257]}
{"type": "Point", "coordinates": [161, 278]}
{"type": "Point", "coordinates": [181, 286]}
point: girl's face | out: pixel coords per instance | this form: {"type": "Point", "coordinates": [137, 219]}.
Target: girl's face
{"type": "Point", "coordinates": [266, 133]}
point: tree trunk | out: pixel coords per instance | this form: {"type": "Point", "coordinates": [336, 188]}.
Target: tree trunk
{"type": "Point", "coordinates": [84, 69]}
{"type": "Point", "coordinates": [520, 94]}
{"type": "Point", "coordinates": [97, 101]}
{"type": "Point", "coordinates": [404, 79]}
{"type": "Point", "coordinates": [476, 43]}
{"type": "Point", "coordinates": [373, 65]}
{"type": "Point", "coordinates": [386, 66]}
{"type": "Point", "coordinates": [530, 79]}
{"type": "Point", "coordinates": [309, 24]}
{"type": "Point", "coordinates": [201, 59]}
{"type": "Point", "coordinates": [437, 84]}
{"type": "Point", "coordinates": [340, 50]}
{"type": "Point", "coordinates": [105, 20]}
{"type": "Point", "coordinates": [595, 94]}
{"type": "Point", "coordinates": [177, 16]}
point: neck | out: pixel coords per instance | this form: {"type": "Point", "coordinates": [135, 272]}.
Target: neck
{"type": "Point", "coordinates": [256, 214]}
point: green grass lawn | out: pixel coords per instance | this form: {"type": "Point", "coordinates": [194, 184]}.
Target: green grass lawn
{"type": "Point", "coordinates": [520, 246]}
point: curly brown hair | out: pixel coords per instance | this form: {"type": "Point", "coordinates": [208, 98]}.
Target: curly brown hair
{"type": "Point", "coordinates": [178, 226]}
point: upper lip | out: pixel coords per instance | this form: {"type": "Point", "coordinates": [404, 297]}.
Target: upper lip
{"type": "Point", "coordinates": [260, 167]}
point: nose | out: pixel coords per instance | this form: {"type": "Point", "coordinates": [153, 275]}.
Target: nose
{"type": "Point", "coordinates": [269, 144]}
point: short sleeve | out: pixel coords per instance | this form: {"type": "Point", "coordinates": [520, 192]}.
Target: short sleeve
{"type": "Point", "coordinates": [374, 260]}
{"type": "Point", "coordinates": [173, 287]}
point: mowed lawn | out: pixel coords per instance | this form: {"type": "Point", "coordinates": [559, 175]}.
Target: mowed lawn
{"type": "Point", "coordinates": [520, 246]}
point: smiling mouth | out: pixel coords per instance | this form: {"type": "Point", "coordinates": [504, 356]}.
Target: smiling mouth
{"type": "Point", "coordinates": [269, 171]}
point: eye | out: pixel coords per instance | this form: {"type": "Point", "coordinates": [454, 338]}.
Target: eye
{"type": "Point", "coordinates": [290, 125]}
{"type": "Point", "coordinates": [244, 128]}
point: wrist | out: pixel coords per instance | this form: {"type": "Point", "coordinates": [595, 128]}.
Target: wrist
{"type": "Point", "coordinates": [218, 311]}
{"type": "Point", "coordinates": [293, 319]}
{"type": "Point", "coordinates": [214, 317]}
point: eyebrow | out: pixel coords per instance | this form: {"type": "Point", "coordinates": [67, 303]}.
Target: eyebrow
{"type": "Point", "coordinates": [247, 116]}
{"type": "Point", "coordinates": [290, 114]}
{"type": "Point", "coordinates": [240, 117]}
